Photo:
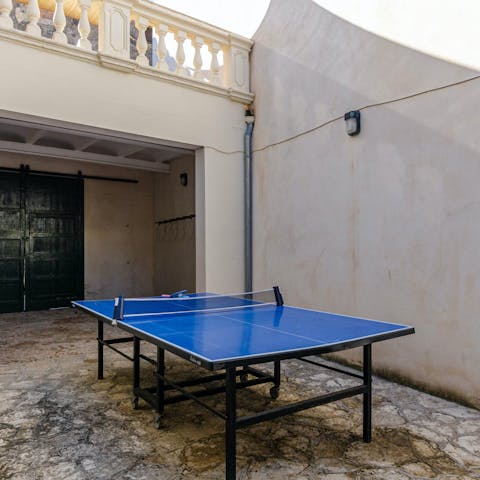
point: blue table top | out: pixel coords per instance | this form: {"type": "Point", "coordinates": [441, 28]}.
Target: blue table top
{"type": "Point", "coordinates": [218, 337]}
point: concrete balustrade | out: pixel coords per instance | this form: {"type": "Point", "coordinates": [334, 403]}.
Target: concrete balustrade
{"type": "Point", "coordinates": [60, 21]}
{"type": "Point", "coordinates": [33, 15]}
{"type": "Point", "coordinates": [169, 45]}
{"type": "Point", "coordinates": [5, 9]}
{"type": "Point", "coordinates": [84, 25]}
{"type": "Point", "coordinates": [194, 35]}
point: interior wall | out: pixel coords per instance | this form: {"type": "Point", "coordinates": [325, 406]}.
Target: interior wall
{"type": "Point", "coordinates": [383, 225]}
{"type": "Point", "coordinates": [118, 224]}
{"type": "Point", "coordinates": [175, 255]}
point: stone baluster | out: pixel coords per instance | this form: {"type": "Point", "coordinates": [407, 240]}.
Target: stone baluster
{"type": "Point", "coordinates": [197, 59]}
{"type": "Point", "coordinates": [5, 9]}
{"type": "Point", "coordinates": [180, 37]}
{"type": "Point", "coordinates": [84, 25]}
{"type": "Point", "coordinates": [59, 21]}
{"type": "Point", "coordinates": [215, 67]}
{"type": "Point", "coordinates": [162, 48]}
{"type": "Point", "coordinates": [33, 15]}
{"type": "Point", "coordinates": [142, 44]}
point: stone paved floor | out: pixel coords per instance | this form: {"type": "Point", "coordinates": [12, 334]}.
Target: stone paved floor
{"type": "Point", "coordinates": [58, 422]}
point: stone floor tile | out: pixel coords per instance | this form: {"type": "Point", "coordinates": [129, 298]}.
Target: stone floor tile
{"type": "Point", "coordinates": [57, 422]}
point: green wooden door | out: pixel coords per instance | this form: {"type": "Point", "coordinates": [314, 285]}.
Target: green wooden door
{"type": "Point", "coordinates": [12, 225]}
{"type": "Point", "coordinates": [47, 224]}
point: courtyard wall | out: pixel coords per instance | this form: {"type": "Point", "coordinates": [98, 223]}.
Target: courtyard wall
{"type": "Point", "coordinates": [383, 225]}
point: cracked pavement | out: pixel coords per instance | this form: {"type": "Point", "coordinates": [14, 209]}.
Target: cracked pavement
{"type": "Point", "coordinates": [58, 422]}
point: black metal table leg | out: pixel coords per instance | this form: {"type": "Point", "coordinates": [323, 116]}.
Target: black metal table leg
{"type": "Point", "coordinates": [367, 396]}
{"type": "Point", "coordinates": [136, 370]}
{"type": "Point", "coordinates": [244, 374]}
{"type": "Point", "coordinates": [230, 424]}
{"type": "Point", "coordinates": [160, 387]}
{"type": "Point", "coordinates": [275, 390]}
{"type": "Point", "coordinates": [100, 350]}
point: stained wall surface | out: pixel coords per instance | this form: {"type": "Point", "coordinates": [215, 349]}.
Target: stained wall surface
{"type": "Point", "coordinates": [118, 225]}
{"type": "Point", "coordinates": [175, 241]}
{"type": "Point", "coordinates": [382, 225]}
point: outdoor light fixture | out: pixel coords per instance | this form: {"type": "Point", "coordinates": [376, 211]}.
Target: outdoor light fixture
{"type": "Point", "coordinates": [184, 179]}
{"type": "Point", "coordinates": [352, 122]}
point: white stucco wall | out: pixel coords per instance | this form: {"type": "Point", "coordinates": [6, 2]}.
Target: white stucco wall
{"type": "Point", "coordinates": [445, 29]}
{"type": "Point", "coordinates": [383, 225]}
{"type": "Point", "coordinates": [57, 86]}
{"type": "Point", "coordinates": [219, 229]}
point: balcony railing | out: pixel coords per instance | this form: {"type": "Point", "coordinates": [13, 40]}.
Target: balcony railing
{"type": "Point", "coordinates": [136, 36]}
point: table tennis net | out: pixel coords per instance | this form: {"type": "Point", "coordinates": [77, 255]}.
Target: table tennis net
{"type": "Point", "coordinates": [155, 306]}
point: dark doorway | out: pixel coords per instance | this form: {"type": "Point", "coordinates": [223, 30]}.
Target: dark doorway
{"type": "Point", "coordinates": [41, 241]}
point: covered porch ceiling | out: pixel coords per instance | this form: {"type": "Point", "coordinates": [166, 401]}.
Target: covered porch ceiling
{"type": "Point", "coordinates": [74, 142]}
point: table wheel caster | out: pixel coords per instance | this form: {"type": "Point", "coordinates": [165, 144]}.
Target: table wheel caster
{"type": "Point", "coordinates": [135, 403]}
{"type": "Point", "coordinates": [158, 420]}
{"type": "Point", "coordinates": [274, 392]}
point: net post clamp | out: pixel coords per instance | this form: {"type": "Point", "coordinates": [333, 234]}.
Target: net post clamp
{"type": "Point", "coordinates": [178, 294]}
{"type": "Point", "coordinates": [118, 309]}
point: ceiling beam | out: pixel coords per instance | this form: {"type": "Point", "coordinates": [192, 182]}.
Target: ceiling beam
{"type": "Point", "coordinates": [38, 150]}
{"type": "Point", "coordinates": [51, 125]}
{"type": "Point", "coordinates": [85, 143]}
{"type": "Point", "coordinates": [36, 135]}
{"type": "Point", "coordinates": [130, 149]}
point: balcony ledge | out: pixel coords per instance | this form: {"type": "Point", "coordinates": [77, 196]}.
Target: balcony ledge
{"type": "Point", "coordinates": [235, 47]}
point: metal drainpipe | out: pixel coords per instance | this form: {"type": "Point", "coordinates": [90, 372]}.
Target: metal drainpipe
{"type": "Point", "coordinates": [249, 120]}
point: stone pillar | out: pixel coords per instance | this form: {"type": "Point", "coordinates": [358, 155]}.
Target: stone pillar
{"type": "Point", "coordinates": [215, 67]}
{"type": "Point", "coordinates": [59, 21]}
{"type": "Point", "coordinates": [5, 9]}
{"type": "Point", "coordinates": [33, 15]}
{"type": "Point", "coordinates": [180, 37]}
{"type": "Point", "coordinates": [162, 47]}
{"type": "Point", "coordinates": [197, 60]}
{"type": "Point", "coordinates": [219, 222]}
{"type": "Point", "coordinates": [84, 25]}
{"type": "Point", "coordinates": [142, 44]}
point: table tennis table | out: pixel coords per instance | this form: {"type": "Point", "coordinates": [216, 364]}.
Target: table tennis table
{"type": "Point", "coordinates": [232, 333]}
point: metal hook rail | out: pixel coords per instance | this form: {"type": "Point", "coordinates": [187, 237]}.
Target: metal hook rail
{"type": "Point", "coordinates": [175, 219]}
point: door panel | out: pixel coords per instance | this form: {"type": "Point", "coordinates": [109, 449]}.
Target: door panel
{"type": "Point", "coordinates": [11, 243]}
{"type": "Point", "coordinates": [41, 241]}
{"type": "Point", "coordinates": [54, 257]}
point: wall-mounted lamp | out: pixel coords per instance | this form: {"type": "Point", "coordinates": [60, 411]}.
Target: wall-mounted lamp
{"type": "Point", "coordinates": [352, 122]}
{"type": "Point", "coordinates": [184, 179]}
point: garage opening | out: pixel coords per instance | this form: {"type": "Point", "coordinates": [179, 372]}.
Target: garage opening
{"type": "Point", "coordinates": [41, 241]}
{"type": "Point", "coordinates": [66, 235]}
